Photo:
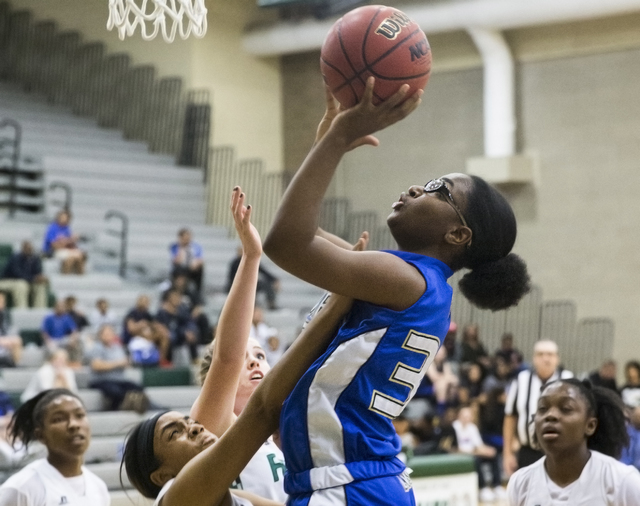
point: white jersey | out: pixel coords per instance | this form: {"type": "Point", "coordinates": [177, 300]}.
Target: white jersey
{"type": "Point", "coordinates": [235, 501]}
{"type": "Point", "coordinates": [604, 482]}
{"type": "Point", "coordinates": [41, 484]}
{"type": "Point", "coordinates": [264, 474]}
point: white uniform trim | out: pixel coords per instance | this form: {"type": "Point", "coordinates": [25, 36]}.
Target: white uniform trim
{"type": "Point", "coordinates": [328, 497]}
{"type": "Point", "coordinates": [331, 379]}
{"type": "Point", "coordinates": [522, 401]}
{"type": "Point", "coordinates": [327, 477]}
{"type": "Point", "coordinates": [604, 482]}
{"type": "Point", "coordinates": [235, 501]}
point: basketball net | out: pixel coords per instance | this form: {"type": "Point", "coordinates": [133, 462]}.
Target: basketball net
{"type": "Point", "coordinates": [158, 16]}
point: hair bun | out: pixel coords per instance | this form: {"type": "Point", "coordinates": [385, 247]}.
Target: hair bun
{"type": "Point", "coordinates": [496, 285]}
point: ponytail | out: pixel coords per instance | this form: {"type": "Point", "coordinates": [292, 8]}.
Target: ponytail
{"type": "Point", "coordinates": [30, 415]}
{"type": "Point", "coordinates": [498, 278]}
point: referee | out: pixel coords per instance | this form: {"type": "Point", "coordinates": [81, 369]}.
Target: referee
{"type": "Point", "coordinates": [522, 403]}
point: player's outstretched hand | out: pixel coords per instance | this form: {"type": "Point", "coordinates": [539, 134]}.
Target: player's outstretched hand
{"type": "Point", "coordinates": [249, 236]}
{"type": "Point", "coordinates": [358, 124]}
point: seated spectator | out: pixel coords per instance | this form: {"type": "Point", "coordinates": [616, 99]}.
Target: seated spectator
{"type": "Point", "coordinates": [452, 345]}
{"type": "Point", "coordinates": [139, 323]}
{"type": "Point", "coordinates": [10, 344]}
{"type": "Point", "coordinates": [192, 302]}
{"type": "Point", "coordinates": [436, 435]}
{"type": "Point", "coordinates": [60, 243]}
{"type": "Point", "coordinates": [174, 321]}
{"type": "Point", "coordinates": [60, 331]}
{"type": "Point", "coordinates": [492, 402]}
{"type": "Point", "coordinates": [76, 315]}
{"type": "Point", "coordinates": [472, 350]}
{"type": "Point", "coordinates": [186, 258]}
{"type": "Point", "coordinates": [273, 350]}
{"type": "Point", "coordinates": [470, 442]}
{"type": "Point", "coordinates": [108, 360]}
{"type": "Point", "coordinates": [445, 382]}
{"type": "Point", "coordinates": [631, 454]}
{"type": "Point", "coordinates": [102, 316]}
{"type": "Point", "coordinates": [471, 385]}
{"type": "Point", "coordinates": [630, 392]}
{"type": "Point", "coordinates": [512, 356]}
{"type": "Point", "coordinates": [267, 282]}
{"type": "Point", "coordinates": [22, 276]}
{"type": "Point", "coordinates": [10, 457]}
{"type": "Point", "coordinates": [55, 373]}
{"type": "Point", "coordinates": [403, 429]}
{"type": "Point", "coordinates": [605, 376]}
{"type": "Point", "coordinates": [260, 331]}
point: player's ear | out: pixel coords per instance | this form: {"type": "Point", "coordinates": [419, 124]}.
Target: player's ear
{"type": "Point", "coordinates": [459, 236]}
{"type": "Point", "coordinates": [592, 425]}
{"type": "Point", "coordinates": [161, 476]}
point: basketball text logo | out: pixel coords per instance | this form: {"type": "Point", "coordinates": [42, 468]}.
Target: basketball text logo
{"type": "Point", "coordinates": [391, 26]}
{"type": "Point", "coordinates": [419, 50]}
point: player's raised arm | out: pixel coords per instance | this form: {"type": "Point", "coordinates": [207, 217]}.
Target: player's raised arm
{"type": "Point", "coordinates": [293, 243]}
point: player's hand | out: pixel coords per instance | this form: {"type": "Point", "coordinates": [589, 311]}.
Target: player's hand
{"type": "Point", "coordinates": [364, 119]}
{"type": "Point", "coordinates": [332, 110]}
{"type": "Point", "coordinates": [249, 236]}
{"type": "Point", "coordinates": [509, 463]}
{"type": "Point", "coordinates": [362, 242]}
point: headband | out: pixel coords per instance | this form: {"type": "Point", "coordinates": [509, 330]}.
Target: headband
{"type": "Point", "coordinates": [147, 462]}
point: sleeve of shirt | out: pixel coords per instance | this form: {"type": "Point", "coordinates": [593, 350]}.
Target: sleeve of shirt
{"type": "Point", "coordinates": [46, 327]}
{"type": "Point", "coordinates": [197, 251]}
{"type": "Point", "coordinates": [629, 490]}
{"type": "Point", "coordinates": [512, 394]}
{"type": "Point", "coordinates": [512, 491]}
{"type": "Point", "coordinates": [71, 325]}
{"type": "Point", "coordinates": [13, 497]}
{"type": "Point", "coordinates": [173, 250]}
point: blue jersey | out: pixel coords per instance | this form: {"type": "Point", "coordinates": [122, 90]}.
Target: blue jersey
{"type": "Point", "coordinates": [336, 424]}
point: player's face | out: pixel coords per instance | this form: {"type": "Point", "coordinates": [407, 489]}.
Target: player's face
{"type": "Point", "coordinates": [255, 368]}
{"type": "Point", "coordinates": [65, 428]}
{"type": "Point", "coordinates": [562, 420]}
{"type": "Point", "coordinates": [420, 217]}
{"type": "Point", "coordinates": [176, 440]}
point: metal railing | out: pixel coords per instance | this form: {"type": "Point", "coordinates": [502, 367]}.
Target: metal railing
{"type": "Point", "coordinates": [123, 234]}
{"type": "Point", "coordinates": [67, 201]}
{"type": "Point", "coordinates": [10, 158]}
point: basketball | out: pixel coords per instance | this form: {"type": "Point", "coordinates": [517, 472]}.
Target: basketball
{"type": "Point", "coordinates": [378, 41]}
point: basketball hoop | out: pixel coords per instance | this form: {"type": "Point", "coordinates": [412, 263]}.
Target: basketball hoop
{"type": "Point", "coordinates": [158, 16]}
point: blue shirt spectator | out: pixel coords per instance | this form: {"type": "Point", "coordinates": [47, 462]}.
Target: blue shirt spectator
{"type": "Point", "coordinates": [186, 258]}
{"type": "Point", "coordinates": [631, 454]}
{"type": "Point", "coordinates": [59, 324]}
{"type": "Point", "coordinates": [54, 232]}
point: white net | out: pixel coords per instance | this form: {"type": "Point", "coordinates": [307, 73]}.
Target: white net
{"type": "Point", "coordinates": [168, 17]}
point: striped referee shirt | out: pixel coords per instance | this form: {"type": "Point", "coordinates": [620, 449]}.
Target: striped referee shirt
{"type": "Point", "coordinates": [522, 400]}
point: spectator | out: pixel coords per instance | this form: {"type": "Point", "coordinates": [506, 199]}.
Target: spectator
{"type": "Point", "coordinates": [445, 382]}
{"type": "Point", "coordinates": [102, 316]}
{"type": "Point", "coordinates": [186, 258]}
{"type": "Point", "coordinates": [76, 315]}
{"type": "Point", "coordinates": [10, 345]}
{"type": "Point", "coordinates": [471, 384]}
{"type": "Point", "coordinates": [631, 454]}
{"type": "Point", "coordinates": [472, 349]}
{"type": "Point", "coordinates": [9, 457]}
{"type": "Point", "coordinates": [267, 282]}
{"type": "Point", "coordinates": [492, 403]}
{"type": "Point", "coordinates": [451, 343]}
{"type": "Point", "coordinates": [140, 323]}
{"type": "Point", "coordinates": [437, 435]}
{"type": "Point", "coordinates": [55, 373]}
{"type": "Point", "coordinates": [192, 302]}
{"type": "Point", "coordinates": [60, 243]}
{"type": "Point", "coordinates": [605, 376]}
{"type": "Point", "coordinates": [470, 442]}
{"type": "Point", "coordinates": [273, 350]}
{"type": "Point", "coordinates": [174, 321]}
{"type": "Point", "coordinates": [23, 276]}
{"type": "Point", "coordinates": [403, 429]}
{"type": "Point", "coordinates": [522, 403]}
{"type": "Point", "coordinates": [630, 392]}
{"type": "Point", "coordinates": [509, 354]}
{"type": "Point", "coordinates": [60, 331]}
{"type": "Point", "coordinates": [260, 331]}
{"type": "Point", "coordinates": [108, 361]}
{"type": "Point", "coordinates": [58, 419]}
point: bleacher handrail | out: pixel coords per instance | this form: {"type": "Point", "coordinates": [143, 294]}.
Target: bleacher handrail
{"type": "Point", "coordinates": [123, 234]}
{"type": "Point", "coordinates": [13, 156]}
{"type": "Point", "coordinates": [68, 194]}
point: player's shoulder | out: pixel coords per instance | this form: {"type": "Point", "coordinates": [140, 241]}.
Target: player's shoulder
{"type": "Point", "coordinates": [95, 479]}
{"type": "Point", "coordinates": [27, 480]}
{"type": "Point", "coordinates": [528, 476]}
{"type": "Point", "coordinates": [617, 471]}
